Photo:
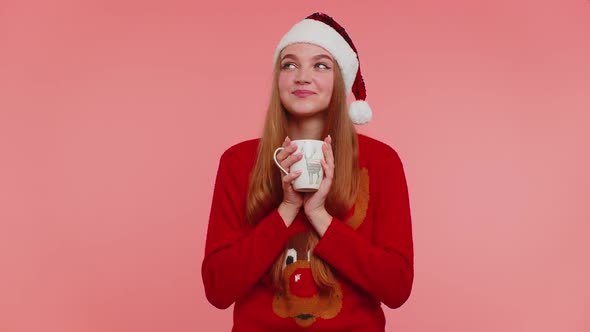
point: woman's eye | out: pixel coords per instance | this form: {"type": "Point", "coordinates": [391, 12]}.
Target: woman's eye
{"type": "Point", "coordinates": [288, 65]}
{"type": "Point", "coordinates": [322, 66]}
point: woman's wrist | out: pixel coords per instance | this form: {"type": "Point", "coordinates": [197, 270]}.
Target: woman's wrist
{"type": "Point", "coordinates": [288, 212]}
{"type": "Point", "coordinates": [320, 219]}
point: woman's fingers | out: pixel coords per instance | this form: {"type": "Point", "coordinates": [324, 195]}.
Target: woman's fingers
{"type": "Point", "coordinates": [328, 175]}
{"type": "Point", "coordinates": [287, 179]}
{"type": "Point", "coordinates": [327, 166]}
{"type": "Point", "coordinates": [283, 153]}
{"type": "Point", "coordinates": [328, 157]}
{"type": "Point", "coordinates": [287, 156]}
{"type": "Point", "coordinates": [288, 148]}
{"type": "Point", "coordinates": [291, 159]}
{"type": "Point", "coordinates": [328, 170]}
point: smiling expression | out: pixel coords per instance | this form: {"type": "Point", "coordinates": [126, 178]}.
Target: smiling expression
{"type": "Point", "coordinates": [306, 79]}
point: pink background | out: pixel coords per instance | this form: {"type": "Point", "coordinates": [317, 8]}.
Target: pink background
{"type": "Point", "coordinates": [113, 115]}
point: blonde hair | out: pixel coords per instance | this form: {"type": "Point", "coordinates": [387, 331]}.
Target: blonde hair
{"type": "Point", "coordinates": [265, 191]}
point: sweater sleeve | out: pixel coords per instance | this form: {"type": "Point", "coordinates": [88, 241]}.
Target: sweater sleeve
{"type": "Point", "coordinates": [384, 265]}
{"type": "Point", "coordinates": [236, 255]}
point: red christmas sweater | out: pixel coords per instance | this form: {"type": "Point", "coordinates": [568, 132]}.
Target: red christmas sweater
{"type": "Point", "coordinates": [371, 251]}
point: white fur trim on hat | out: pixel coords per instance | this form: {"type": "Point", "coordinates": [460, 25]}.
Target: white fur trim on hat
{"type": "Point", "coordinates": [360, 112]}
{"type": "Point", "coordinates": [318, 33]}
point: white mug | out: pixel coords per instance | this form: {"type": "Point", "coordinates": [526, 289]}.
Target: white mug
{"type": "Point", "coordinates": [310, 167]}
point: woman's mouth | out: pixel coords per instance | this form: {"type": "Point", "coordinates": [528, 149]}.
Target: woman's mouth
{"type": "Point", "coordinates": [303, 93]}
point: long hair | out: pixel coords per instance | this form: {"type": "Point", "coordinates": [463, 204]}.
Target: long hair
{"type": "Point", "coordinates": [265, 191]}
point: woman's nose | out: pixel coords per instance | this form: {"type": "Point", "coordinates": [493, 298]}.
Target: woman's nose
{"type": "Point", "coordinates": [303, 76]}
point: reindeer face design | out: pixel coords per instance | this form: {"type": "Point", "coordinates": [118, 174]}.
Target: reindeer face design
{"type": "Point", "coordinates": [302, 300]}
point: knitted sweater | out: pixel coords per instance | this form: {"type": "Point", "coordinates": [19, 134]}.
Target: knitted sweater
{"type": "Point", "coordinates": [371, 251]}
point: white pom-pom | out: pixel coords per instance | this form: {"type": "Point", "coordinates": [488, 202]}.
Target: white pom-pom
{"type": "Point", "coordinates": [360, 112]}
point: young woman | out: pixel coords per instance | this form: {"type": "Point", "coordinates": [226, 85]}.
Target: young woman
{"type": "Point", "coordinates": [321, 261]}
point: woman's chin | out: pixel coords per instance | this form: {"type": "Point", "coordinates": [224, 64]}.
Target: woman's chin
{"type": "Point", "coordinates": [304, 113]}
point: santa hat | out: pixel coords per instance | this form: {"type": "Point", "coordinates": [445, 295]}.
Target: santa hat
{"type": "Point", "coordinates": [320, 29]}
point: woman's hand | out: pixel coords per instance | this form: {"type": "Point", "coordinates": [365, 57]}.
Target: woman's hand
{"type": "Point", "coordinates": [292, 200]}
{"type": "Point", "coordinates": [314, 204]}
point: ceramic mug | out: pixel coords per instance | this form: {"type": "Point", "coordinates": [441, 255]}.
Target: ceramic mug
{"type": "Point", "coordinates": [310, 167]}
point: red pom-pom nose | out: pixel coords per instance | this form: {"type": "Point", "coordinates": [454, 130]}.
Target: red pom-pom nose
{"type": "Point", "coordinates": [301, 283]}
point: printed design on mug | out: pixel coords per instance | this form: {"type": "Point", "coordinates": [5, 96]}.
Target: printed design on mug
{"type": "Point", "coordinates": [312, 162]}
{"type": "Point", "coordinates": [300, 298]}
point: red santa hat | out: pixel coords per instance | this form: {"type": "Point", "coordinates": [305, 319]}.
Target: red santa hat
{"type": "Point", "coordinates": [320, 29]}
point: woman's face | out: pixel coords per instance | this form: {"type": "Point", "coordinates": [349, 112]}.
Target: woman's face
{"type": "Point", "coordinates": [306, 79]}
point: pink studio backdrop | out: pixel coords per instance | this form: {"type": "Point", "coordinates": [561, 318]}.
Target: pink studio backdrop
{"type": "Point", "coordinates": [113, 115]}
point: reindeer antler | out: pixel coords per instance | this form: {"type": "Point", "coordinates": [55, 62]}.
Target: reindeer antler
{"type": "Point", "coordinates": [306, 149]}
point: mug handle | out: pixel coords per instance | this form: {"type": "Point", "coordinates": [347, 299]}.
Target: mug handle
{"type": "Point", "coordinates": [274, 156]}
